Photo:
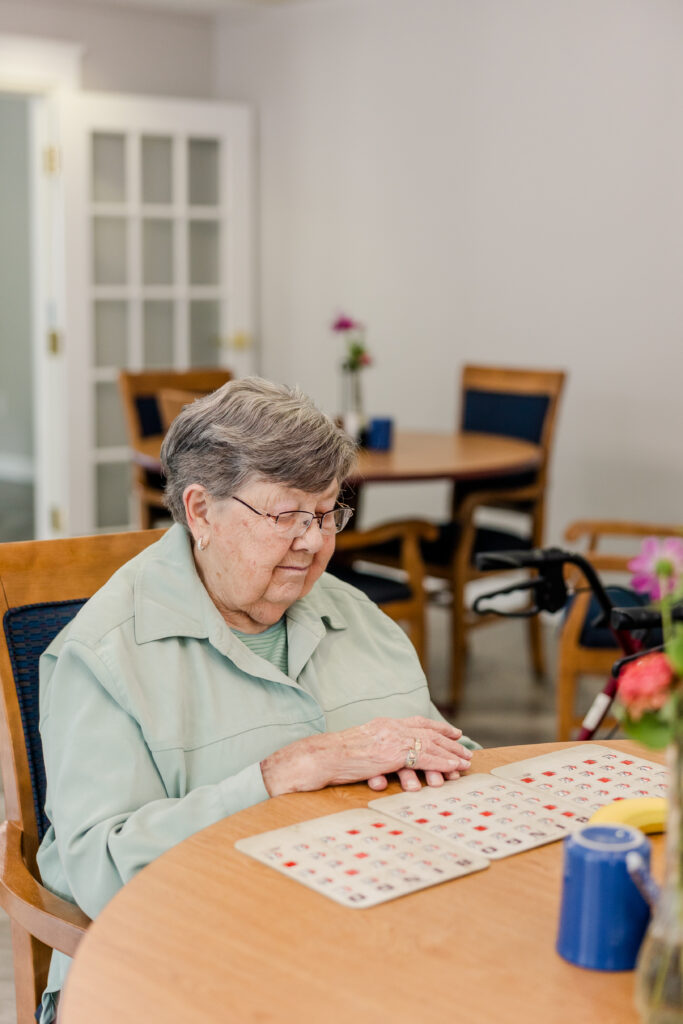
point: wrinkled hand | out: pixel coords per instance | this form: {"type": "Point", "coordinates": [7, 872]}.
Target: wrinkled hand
{"type": "Point", "coordinates": [409, 779]}
{"type": "Point", "coordinates": [368, 752]}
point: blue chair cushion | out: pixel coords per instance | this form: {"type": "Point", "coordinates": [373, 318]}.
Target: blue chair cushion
{"type": "Point", "coordinates": [150, 423]}
{"type": "Point", "coordinates": [440, 551]}
{"type": "Point", "coordinates": [509, 414]}
{"type": "Point", "coordinates": [156, 480]}
{"type": "Point", "coordinates": [29, 629]}
{"type": "Point", "coordinates": [149, 415]}
{"type": "Point", "coordinates": [596, 634]}
{"type": "Point", "coordinates": [379, 589]}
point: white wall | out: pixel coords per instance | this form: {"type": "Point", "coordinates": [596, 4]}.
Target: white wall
{"type": "Point", "coordinates": [497, 180]}
{"type": "Point", "coordinates": [126, 50]}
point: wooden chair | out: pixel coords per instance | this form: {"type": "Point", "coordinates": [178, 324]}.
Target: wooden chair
{"type": "Point", "coordinates": [172, 401]}
{"type": "Point", "coordinates": [402, 600]}
{"type": "Point", "coordinates": [586, 649]}
{"type": "Point", "coordinates": [514, 402]}
{"type": "Point", "coordinates": [42, 586]}
{"type": "Point", "coordinates": [139, 393]}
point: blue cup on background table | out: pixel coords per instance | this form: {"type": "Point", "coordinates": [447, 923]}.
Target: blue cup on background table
{"type": "Point", "coordinates": [380, 434]}
{"type": "Point", "coordinates": [603, 916]}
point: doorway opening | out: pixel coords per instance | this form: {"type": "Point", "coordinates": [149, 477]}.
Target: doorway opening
{"type": "Point", "coordinates": [17, 456]}
{"type": "Point", "coordinates": [31, 70]}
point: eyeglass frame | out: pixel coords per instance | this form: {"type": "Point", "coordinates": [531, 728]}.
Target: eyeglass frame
{"type": "Point", "coordinates": [319, 519]}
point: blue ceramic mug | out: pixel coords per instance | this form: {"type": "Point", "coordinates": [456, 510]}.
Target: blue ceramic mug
{"type": "Point", "coordinates": [603, 915]}
{"type": "Point", "coordinates": [380, 430]}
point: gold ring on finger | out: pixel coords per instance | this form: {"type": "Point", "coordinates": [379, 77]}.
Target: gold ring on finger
{"type": "Point", "coordinates": [413, 753]}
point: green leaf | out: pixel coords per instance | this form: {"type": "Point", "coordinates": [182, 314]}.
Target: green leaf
{"type": "Point", "coordinates": [651, 730]}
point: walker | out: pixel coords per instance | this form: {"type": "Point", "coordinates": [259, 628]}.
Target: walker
{"type": "Point", "coordinates": [629, 626]}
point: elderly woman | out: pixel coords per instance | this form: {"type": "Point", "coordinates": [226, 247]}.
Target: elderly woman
{"type": "Point", "coordinates": [222, 665]}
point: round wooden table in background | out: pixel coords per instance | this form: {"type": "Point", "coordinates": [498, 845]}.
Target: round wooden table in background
{"type": "Point", "coordinates": [418, 456]}
{"type": "Point", "coordinates": [461, 456]}
{"type": "Point", "coordinates": [205, 934]}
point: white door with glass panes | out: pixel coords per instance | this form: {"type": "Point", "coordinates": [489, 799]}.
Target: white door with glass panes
{"type": "Point", "coordinates": [157, 272]}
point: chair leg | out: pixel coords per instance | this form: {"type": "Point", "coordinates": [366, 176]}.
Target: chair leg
{"type": "Point", "coordinates": [145, 514]}
{"type": "Point", "coordinates": [458, 648]}
{"type": "Point", "coordinates": [31, 961]}
{"type": "Point", "coordinates": [536, 645]}
{"type": "Point", "coordinates": [567, 682]}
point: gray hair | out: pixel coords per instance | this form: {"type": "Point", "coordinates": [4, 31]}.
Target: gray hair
{"type": "Point", "coordinates": [252, 429]}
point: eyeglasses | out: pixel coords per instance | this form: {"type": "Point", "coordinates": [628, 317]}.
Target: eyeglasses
{"type": "Point", "coordinates": [295, 524]}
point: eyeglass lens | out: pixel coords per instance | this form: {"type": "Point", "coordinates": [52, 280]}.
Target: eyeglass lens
{"type": "Point", "coordinates": [330, 522]}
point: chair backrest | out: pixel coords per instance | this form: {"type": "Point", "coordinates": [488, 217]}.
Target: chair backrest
{"type": "Point", "coordinates": [139, 394]}
{"type": "Point", "coordinates": [594, 535]}
{"type": "Point", "coordinates": [512, 401]}
{"type": "Point", "coordinates": [42, 586]}
{"type": "Point", "coordinates": [172, 401]}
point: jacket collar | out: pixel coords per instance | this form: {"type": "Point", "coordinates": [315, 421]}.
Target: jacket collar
{"type": "Point", "coordinates": [171, 600]}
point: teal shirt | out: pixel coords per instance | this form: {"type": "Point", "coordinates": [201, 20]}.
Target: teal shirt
{"type": "Point", "coordinates": [154, 715]}
{"type": "Point", "coordinates": [270, 644]}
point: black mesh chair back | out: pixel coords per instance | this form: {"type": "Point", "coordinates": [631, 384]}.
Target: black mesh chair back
{"type": "Point", "coordinates": [29, 630]}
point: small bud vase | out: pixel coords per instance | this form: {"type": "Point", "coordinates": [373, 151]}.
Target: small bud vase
{"type": "Point", "coordinates": [659, 971]}
{"type": "Point", "coordinates": [353, 415]}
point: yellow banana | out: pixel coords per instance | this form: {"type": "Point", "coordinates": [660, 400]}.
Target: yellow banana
{"type": "Point", "coordinates": [648, 813]}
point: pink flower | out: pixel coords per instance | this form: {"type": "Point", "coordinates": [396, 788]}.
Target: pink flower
{"type": "Point", "coordinates": [644, 684]}
{"type": "Point", "coordinates": [365, 359]}
{"type": "Point", "coordinates": [659, 567]}
{"type": "Point", "coordinates": [345, 323]}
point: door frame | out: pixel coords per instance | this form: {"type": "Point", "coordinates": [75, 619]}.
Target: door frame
{"type": "Point", "coordinates": [38, 69]}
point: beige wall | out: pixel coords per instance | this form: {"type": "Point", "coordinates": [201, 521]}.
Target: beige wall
{"type": "Point", "coordinates": [126, 50]}
{"type": "Point", "coordinates": [497, 180]}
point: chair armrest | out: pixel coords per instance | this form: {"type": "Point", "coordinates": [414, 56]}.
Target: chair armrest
{"type": "Point", "coordinates": [420, 529]}
{"type": "Point", "coordinates": [594, 528]}
{"type": "Point", "coordinates": [52, 920]}
{"type": "Point", "coordinates": [605, 562]}
{"type": "Point", "coordinates": [409, 532]}
{"type": "Point", "coordinates": [478, 498]}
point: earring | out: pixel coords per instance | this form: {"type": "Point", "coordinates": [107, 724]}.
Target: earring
{"type": "Point", "coordinates": [202, 543]}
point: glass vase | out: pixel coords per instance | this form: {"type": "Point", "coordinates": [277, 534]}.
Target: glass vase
{"type": "Point", "coordinates": [353, 414]}
{"type": "Point", "coordinates": [659, 971]}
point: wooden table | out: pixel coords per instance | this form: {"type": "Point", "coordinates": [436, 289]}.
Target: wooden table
{"type": "Point", "coordinates": [418, 456]}
{"type": "Point", "coordinates": [206, 934]}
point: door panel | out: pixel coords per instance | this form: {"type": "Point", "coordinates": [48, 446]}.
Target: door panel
{"type": "Point", "coordinates": [157, 242]}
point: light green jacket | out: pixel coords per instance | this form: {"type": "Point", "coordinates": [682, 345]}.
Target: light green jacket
{"type": "Point", "coordinates": [154, 716]}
